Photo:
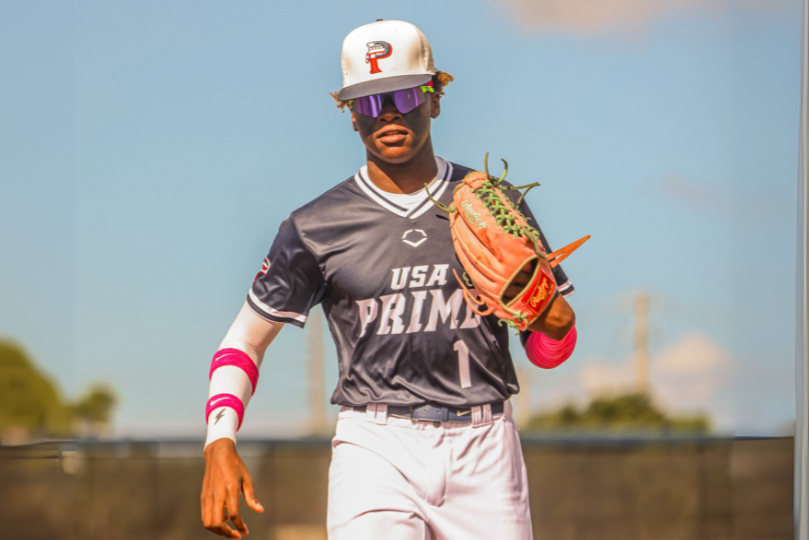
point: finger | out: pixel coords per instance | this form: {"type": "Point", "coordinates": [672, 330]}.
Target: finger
{"type": "Point", "coordinates": [250, 494]}
{"type": "Point", "coordinates": [514, 289]}
{"type": "Point", "coordinates": [509, 296]}
{"type": "Point", "coordinates": [206, 498]}
{"type": "Point", "coordinates": [233, 511]}
{"type": "Point", "coordinates": [521, 280]}
{"type": "Point", "coordinates": [207, 505]}
{"type": "Point", "coordinates": [222, 529]}
{"type": "Point", "coordinates": [225, 530]}
{"type": "Point", "coordinates": [524, 276]}
{"type": "Point", "coordinates": [512, 292]}
{"type": "Point", "coordinates": [219, 517]}
{"type": "Point", "coordinates": [210, 510]}
{"type": "Point", "coordinates": [203, 506]}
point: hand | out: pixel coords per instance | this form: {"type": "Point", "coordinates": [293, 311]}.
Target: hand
{"type": "Point", "coordinates": [225, 477]}
{"type": "Point", "coordinates": [556, 321]}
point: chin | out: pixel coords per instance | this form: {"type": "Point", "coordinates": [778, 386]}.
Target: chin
{"type": "Point", "coordinates": [396, 154]}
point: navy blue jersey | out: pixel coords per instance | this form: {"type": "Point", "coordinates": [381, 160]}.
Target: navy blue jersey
{"type": "Point", "coordinates": [382, 268]}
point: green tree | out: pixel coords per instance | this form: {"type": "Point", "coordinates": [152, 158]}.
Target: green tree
{"type": "Point", "coordinates": [31, 406]}
{"type": "Point", "coordinates": [94, 409]}
{"type": "Point", "coordinates": [630, 412]}
{"type": "Point", "coordinates": [29, 401]}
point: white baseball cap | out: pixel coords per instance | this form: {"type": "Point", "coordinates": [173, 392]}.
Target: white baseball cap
{"type": "Point", "coordinates": [385, 56]}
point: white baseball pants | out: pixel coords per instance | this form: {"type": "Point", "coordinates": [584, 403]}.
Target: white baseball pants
{"type": "Point", "coordinates": [395, 479]}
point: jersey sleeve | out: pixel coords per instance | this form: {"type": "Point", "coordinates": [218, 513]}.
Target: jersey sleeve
{"type": "Point", "coordinates": [290, 281]}
{"type": "Point", "coordinates": [563, 284]}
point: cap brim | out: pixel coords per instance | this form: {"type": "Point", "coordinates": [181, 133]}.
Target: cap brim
{"type": "Point", "coordinates": [388, 84]}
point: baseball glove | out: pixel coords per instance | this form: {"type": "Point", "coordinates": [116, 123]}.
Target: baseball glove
{"type": "Point", "coordinates": [506, 266]}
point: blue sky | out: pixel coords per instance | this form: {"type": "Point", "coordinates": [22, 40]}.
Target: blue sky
{"type": "Point", "coordinates": [149, 151]}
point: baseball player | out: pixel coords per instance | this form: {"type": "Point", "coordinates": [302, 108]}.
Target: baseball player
{"type": "Point", "coordinates": [425, 446]}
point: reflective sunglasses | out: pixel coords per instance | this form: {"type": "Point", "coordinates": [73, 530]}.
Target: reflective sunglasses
{"type": "Point", "coordinates": [404, 100]}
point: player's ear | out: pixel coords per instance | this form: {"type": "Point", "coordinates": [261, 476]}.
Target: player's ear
{"type": "Point", "coordinates": [435, 108]}
{"type": "Point", "coordinates": [354, 123]}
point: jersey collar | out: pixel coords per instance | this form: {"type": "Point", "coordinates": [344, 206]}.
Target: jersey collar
{"type": "Point", "coordinates": [411, 205]}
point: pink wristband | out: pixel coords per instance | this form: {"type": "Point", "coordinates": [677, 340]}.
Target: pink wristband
{"type": "Point", "coordinates": [547, 353]}
{"type": "Point", "coordinates": [225, 400]}
{"type": "Point", "coordinates": [235, 357]}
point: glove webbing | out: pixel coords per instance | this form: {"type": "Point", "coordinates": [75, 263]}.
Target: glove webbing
{"type": "Point", "coordinates": [504, 215]}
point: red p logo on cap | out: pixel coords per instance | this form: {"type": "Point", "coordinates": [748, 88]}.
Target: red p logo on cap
{"type": "Point", "coordinates": [377, 50]}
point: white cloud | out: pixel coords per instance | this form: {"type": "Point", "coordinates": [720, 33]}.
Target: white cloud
{"type": "Point", "coordinates": [594, 16]}
{"type": "Point", "coordinates": [599, 378]}
{"type": "Point", "coordinates": [692, 375]}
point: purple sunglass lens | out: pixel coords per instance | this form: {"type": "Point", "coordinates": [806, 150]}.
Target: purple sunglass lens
{"type": "Point", "coordinates": [404, 101]}
{"type": "Point", "coordinates": [407, 100]}
{"type": "Point", "coordinates": [369, 105]}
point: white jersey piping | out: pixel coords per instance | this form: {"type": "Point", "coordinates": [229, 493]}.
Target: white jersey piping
{"type": "Point", "coordinates": [389, 201]}
{"type": "Point", "coordinates": [274, 312]}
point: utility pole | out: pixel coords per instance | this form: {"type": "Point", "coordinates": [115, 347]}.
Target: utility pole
{"type": "Point", "coordinates": [642, 341]}
{"type": "Point", "coordinates": [317, 384]}
{"type": "Point", "coordinates": [523, 412]}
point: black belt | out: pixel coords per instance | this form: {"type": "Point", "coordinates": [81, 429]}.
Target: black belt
{"type": "Point", "coordinates": [432, 413]}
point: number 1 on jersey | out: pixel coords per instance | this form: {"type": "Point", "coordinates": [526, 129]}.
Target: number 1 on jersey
{"type": "Point", "coordinates": [463, 363]}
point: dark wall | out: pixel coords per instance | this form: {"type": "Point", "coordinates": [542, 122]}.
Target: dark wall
{"type": "Point", "coordinates": [627, 490]}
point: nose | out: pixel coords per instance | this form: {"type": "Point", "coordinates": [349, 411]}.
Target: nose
{"type": "Point", "coordinates": [389, 112]}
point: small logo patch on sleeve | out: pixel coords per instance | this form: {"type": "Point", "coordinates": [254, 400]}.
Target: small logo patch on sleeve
{"type": "Point", "coordinates": [264, 267]}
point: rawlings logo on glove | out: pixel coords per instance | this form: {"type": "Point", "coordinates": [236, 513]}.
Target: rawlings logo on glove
{"type": "Point", "coordinates": [496, 245]}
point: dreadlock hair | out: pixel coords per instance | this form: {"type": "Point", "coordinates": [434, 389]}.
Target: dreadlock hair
{"type": "Point", "coordinates": [440, 80]}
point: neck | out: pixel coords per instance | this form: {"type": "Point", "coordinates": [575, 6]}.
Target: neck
{"type": "Point", "coordinates": [407, 177]}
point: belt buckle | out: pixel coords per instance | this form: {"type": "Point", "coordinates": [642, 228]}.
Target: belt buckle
{"type": "Point", "coordinates": [429, 413]}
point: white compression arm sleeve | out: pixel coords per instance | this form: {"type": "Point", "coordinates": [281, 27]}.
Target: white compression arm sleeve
{"type": "Point", "coordinates": [252, 335]}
